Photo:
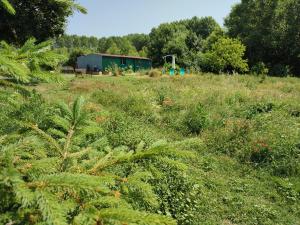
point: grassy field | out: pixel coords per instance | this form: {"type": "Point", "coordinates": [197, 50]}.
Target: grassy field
{"type": "Point", "coordinates": [245, 131]}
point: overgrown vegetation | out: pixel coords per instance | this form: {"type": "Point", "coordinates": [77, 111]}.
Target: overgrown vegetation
{"type": "Point", "coordinates": [230, 149]}
{"type": "Point", "coordinates": [186, 150]}
{"type": "Point", "coordinates": [60, 170]}
{"type": "Point", "coordinates": [30, 63]}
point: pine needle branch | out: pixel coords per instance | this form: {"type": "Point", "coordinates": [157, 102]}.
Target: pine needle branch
{"type": "Point", "coordinates": [9, 8]}
{"type": "Point", "coordinates": [51, 141]}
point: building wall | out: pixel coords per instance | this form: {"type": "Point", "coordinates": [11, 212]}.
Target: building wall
{"type": "Point", "coordinates": [143, 64]}
{"type": "Point", "coordinates": [135, 64]}
{"type": "Point", "coordinates": [91, 60]}
{"type": "Point", "coordinates": [104, 62]}
{"type": "Point", "coordinates": [110, 61]}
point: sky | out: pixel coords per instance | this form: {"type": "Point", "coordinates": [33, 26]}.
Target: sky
{"type": "Point", "coordinates": [120, 17]}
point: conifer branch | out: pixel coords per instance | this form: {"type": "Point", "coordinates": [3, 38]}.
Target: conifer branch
{"type": "Point", "coordinates": [51, 141]}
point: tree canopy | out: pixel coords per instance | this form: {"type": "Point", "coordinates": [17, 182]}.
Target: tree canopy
{"type": "Point", "coordinates": [270, 30]}
{"type": "Point", "coordinates": [21, 20]}
{"type": "Point", "coordinates": [183, 38]}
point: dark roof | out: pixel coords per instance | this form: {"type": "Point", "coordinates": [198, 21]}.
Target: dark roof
{"type": "Point", "coordinates": [120, 56]}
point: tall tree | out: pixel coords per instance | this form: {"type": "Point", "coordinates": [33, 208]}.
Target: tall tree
{"type": "Point", "coordinates": [202, 27]}
{"type": "Point", "coordinates": [42, 19]}
{"type": "Point", "coordinates": [183, 38]}
{"type": "Point", "coordinates": [270, 30]}
{"type": "Point", "coordinates": [139, 41]}
{"type": "Point", "coordinates": [168, 38]}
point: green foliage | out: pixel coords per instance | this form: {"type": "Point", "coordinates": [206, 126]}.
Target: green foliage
{"type": "Point", "coordinates": [269, 30]}
{"type": "Point", "coordinates": [55, 175]}
{"type": "Point", "coordinates": [30, 62]}
{"type": "Point", "coordinates": [9, 8]}
{"type": "Point", "coordinates": [183, 38]}
{"type": "Point", "coordinates": [280, 70]}
{"type": "Point", "coordinates": [259, 69]}
{"type": "Point", "coordinates": [72, 59]}
{"type": "Point", "coordinates": [225, 55]}
{"type": "Point", "coordinates": [115, 70]}
{"type": "Point", "coordinates": [196, 119]}
{"type": "Point", "coordinates": [133, 45]}
{"type": "Point", "coordinates": [39, 19]}
{"type": "Point", "coordinates": [242, 168]}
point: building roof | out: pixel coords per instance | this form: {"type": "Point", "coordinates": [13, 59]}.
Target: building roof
{"type": "Point", "coordinates": [120, 56]}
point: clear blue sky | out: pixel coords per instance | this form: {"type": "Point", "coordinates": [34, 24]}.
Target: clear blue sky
{"type": "Point", "coordinates": [121, 17]}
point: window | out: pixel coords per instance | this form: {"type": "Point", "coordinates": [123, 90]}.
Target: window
{"type": "Point", "coordinates": [123, 61]}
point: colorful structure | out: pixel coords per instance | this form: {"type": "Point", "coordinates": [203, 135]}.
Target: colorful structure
{"type": "Point", "coordinates": [101, 62]}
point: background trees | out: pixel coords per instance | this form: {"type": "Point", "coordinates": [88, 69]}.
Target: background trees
{"type": "Point", "coordinates": [191, 40]}
{"type": "Point", "coordinates": [29, 63]}
{"type": "Point", "coordinates": [270, 30]}
{"type": "Point", "coordinates": [183, 38]}
{"type": "Point", "coordinates": [225, 55]}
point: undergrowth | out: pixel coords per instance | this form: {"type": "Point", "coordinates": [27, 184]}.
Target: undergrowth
{"type": "Point", "coordinates": [195, 150]}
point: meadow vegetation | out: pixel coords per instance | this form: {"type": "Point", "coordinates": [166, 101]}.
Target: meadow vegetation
{"type": "Point", "coordinates": [202, 149]}
{"type": "Point", "coordinates": [147, 148]}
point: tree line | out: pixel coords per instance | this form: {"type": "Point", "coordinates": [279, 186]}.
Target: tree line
{"type": "Point", "coordinates": [259, 36]}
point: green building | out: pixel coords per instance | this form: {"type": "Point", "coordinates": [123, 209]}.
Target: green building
{"type": "Point", "coordinates": [101, 62]}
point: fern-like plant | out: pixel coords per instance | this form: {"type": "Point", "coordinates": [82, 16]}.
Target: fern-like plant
{"type": "Point", "coordinates": [58, 175]}
{"type": "Point", "coordinates": [28, 63]}
{"type": "Point", "coordinates": [7, 6]}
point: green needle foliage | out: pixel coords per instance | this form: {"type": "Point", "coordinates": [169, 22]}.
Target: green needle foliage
{"type": "Point", "coordinates": [58, 175]}
{"type": "Point", "coordinates": [29, 63]}
{"type": "Point", "coordinates": [9, 8]}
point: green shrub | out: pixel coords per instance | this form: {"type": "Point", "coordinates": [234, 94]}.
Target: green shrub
{"type": "Point", "coordinates": [115, 70]}
{"type": "Point", "coordinates": [138, 107]}
{"type": "Point", "coordinates": [196, 119]}
{"type": "Point", "coordinates": [259, 108]}
{"type": "Point", "coordinates": [259, 69]}
{"type": "Point", "coordinates": [46, 175]}
{"type": "Point", "coordinates": [178, 196]}
{"type": "Point", "coordinates": [261, 153]}
{"type": "Point", "coordinates": [122, 130]}
{"type": "Point", "coordinates": [232, 139]}
{"type": "Point", "coordinates": [280, 70]}
{"type": "Point", "coordinates": [225, 55]}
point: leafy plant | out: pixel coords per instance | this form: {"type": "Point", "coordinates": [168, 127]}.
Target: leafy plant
{"type": "Point", "coordinates": [29, 63]}
{"type": "Point", "coordinates": [196, 119]}
{"type": "Point", "coordinates": [259, 69]}
{"type": "Point", "coordinates": [114, 69]}
{"type": "Point", "coordinates": [225, 55]}
{"type": "Point", "coordinates": [58, 177]}
{"type": "Point", "coordinates": [9, 8]}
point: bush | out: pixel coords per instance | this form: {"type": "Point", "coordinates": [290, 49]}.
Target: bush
{"type": "Point", "coordinates": [259, 69]}
{"type": "Point", "coordinates": [261, 153]}
{"type": "Point", "coordinates": [196, 119]}
{"type": "Point", "coordinates": [226, 55]}
{"type": "Point", "coordinates": [232, 139]}
{"type": "Point", "coordinates": [259, 108]}
{"type": "Point", "coordinates": [122, 130]}
{"type": "Point", "coordinates": [280, 70]}
{"type": "Point", "coordinates": [155, 73]}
